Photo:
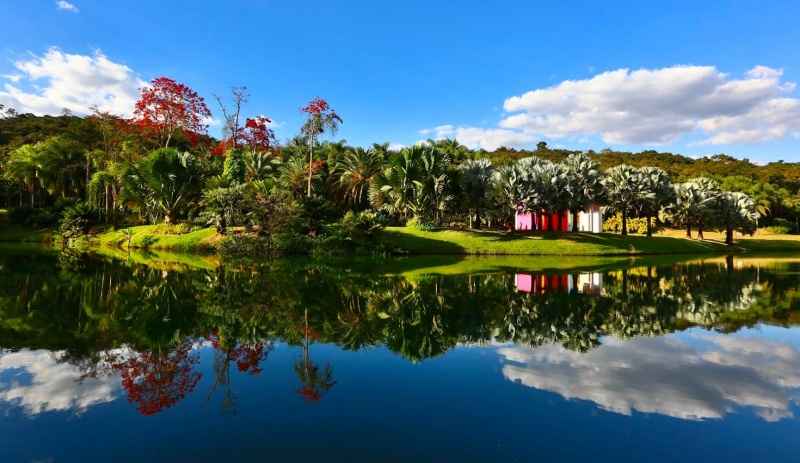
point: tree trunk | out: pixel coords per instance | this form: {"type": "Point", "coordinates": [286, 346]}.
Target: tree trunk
{"type": "Point", "coordinates": [649, 232]}
{"type": "Point", "coordinates": [222, 226]}
{"type": "Point", "coordinates": [689, 230]}
{"type": "Point", "coordinates": [700, 231]}
{"type": "Point", "coordinates": [729, 236]}
{"type": "Point", "coordinates": [108, 202]}
{"type": "Point", "coordinates": [33, 194]}
{"type": "Point", "coordinates": [624, 223]}
{"type": "Point", "coordinates": [310, 162]}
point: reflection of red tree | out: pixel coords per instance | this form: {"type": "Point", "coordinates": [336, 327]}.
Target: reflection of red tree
{"type": "Point", "coordinates": [315, 379]}
{"type": "Point", "coordinates": [155, 380]}
{"type": "Point", "coordinates": [248, 357]}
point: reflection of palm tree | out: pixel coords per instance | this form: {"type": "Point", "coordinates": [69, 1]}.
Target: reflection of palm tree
{"type": "Point", "coordinates": [316, 379]}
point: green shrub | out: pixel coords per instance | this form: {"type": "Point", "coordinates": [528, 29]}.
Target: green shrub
{"type": "Point", "coordinates": [4, 216]}
{"type": "Point", "coordinates": [775, 230]}
{"type": "Point", "coordinates": [422, 224]}
{"type": "Point", "coordinates": [635, 224]}
{"type": "Point", "coordinates": [363, 224]}
{"type": "Point", "coordinates": [172, 229]}
{"type": "Point", "coordinates": [40, 218]}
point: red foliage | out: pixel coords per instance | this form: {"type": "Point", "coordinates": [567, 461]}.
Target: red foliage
{"type": "Point", "coordinates": [320, 116]}
{"type": "Point", "coordinates": [248, 357]}
{"type": "Point", "coordinates": [156, 381]}
{"type": "Point", "coordinates": [257, 135]}
{"type": "Point", "coordinates": [314, 168]}
{"type": "Point", "coordinates": [168, 107]}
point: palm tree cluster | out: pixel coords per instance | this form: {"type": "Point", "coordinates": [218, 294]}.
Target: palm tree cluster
{"type": "Point", "coordinates": [440, 182]}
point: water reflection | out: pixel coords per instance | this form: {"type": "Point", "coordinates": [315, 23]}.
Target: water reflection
{"type": "Point", "coordinates": [82, 331]}
{"type": "Point", "coordinates": [707, 378]}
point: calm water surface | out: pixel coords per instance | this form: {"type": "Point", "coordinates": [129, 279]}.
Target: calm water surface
{"type": "Point", "coordinates": [112, 360]}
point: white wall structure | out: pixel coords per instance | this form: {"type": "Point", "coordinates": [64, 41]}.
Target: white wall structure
{"type": "Point", "coordinates": [591, 220]}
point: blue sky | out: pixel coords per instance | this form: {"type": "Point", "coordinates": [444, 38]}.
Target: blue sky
{"type": "Point", "coordinates": [697, 78]}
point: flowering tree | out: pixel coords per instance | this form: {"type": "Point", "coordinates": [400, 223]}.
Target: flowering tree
{"type": "Point", "coordinates": [320, 118]}
{"type": "Point", "coordinates": [255, 134]}
{"type": "Point", "coordinates": [156, 380]}
{"type": "Point", "coordinates": [168, 107]}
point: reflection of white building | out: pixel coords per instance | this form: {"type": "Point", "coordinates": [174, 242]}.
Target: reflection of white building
{"type": "Point", "coordinates": [591, 220]}
{"type": "Point", "coordinates": [590, 283]}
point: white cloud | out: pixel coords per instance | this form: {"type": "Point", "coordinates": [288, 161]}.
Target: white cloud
{"type": "Point", "coordinates": [704, 379]}
{"type": "Point", "coordinates": [480, 138]}
{"type": "Point", "coordinates": [591, 69]}
{"type": "Point", "coordinates": [396, 146]}
{"type": "Point", "coordinates": [66, 6]}
{"type": "Point", "coordinates": [37, 382]}
{"type": "Point", "coordinates": [59, 80]}
{"type": "Point", "coordinates": [661, 106]}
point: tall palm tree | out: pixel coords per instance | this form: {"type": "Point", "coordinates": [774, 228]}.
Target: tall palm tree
{"type": "Point", "coordinates": [22, 166]}
{"type": "Point", "coordinates": [551, 192]}
{"type": "Point", "coordinates": [353, 174]}
{"type": "Point", "coordinates": [393, 189]}
{"type": "Point", "coordinates": [585, 183]}
{"type": "Point", "coordinates": [162, 184]}
{"type": "Point", "coordinates": [625, 191]}
{"type": "Point", "coordinates": [478, 176]}
{"type": "Point", "coordinates": [660, 191]}
{"type": "Point", "coordinates": [735, 211]}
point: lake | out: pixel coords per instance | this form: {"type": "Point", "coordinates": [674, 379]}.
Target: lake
{"type": "Point", "coordinates": [150, 359]}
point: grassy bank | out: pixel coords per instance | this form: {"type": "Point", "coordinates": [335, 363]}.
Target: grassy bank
{"type": "Point", "coordinates": [455, 242]}
{"type": "Point", "coordinates": [144, 238]}
{"type": "Point", "coordinates": [491, 242]}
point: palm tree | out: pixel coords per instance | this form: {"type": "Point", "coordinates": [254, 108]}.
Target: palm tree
{"type": "Point", "coordinates": [735, 211]}
{"type": "Point", "coordinates": [393, 189]}
{"type": "Point", "coordinates": [510, 187]}
{"type": "Point", "coordinates": [478, 176]}
{"type": "Point", "coordinates": [260, 165]}
{"type": "Point", "coordinates": [625, 191]}
{"type": "Point", "coordinates": [353, 174]}
{"type": "Point", "coordinates": [162, 184]}
{"type": "Point", "coordinates": [22, 166]}
{"type": "Point", "coordinates": [660, 193]}
{"type": "Point", "coordinates": [551, 192]}
{"type": "Point", "coordinates": [585, 183]}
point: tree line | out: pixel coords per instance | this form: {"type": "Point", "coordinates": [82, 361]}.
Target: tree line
{"type": "Point", "coordinates": [161, 166]}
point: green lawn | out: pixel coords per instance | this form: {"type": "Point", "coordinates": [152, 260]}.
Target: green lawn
{"type": "Point", "coordinates": [491, 242]}
{"type": "Point", "coordinates": [200, 240]}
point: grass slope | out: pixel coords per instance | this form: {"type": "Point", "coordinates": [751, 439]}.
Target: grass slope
{"type": "Point", "coordinates": [198, 241]}
{"type": "Point", "coordinates": [491, 242]}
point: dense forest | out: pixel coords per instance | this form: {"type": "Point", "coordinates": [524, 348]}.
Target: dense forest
{"type": "Point", "coordinates": [162, 166]}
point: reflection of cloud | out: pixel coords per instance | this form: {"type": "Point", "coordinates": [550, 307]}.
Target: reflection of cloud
{"type": "Point", "coordinates": [35, 381]}
{"type": "Point", "coordinates": [667, 376]}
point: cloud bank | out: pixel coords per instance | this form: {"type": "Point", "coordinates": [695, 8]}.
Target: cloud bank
{"type": "Point", "coordinates": [59, 81]}
{"type": "Point", "coordinates": [648, 107]}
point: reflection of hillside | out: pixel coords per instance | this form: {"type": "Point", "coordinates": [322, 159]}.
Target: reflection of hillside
{"type": "Point", "coordinates": [703, 379]}
{"type": "Point", "coordinates": [85, 307]}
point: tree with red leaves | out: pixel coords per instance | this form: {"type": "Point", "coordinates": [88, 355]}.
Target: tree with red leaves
{"type": "Point", "coordinates": [168, 107]}
{"type": "Point", "coordinates": [320, 118]}
{"type": "Point", "coordinates": [156, 380]}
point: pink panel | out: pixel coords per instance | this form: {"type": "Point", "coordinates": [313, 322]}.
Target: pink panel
{"type": "Point", "coordinates": [524, 221]}
{"type": "Point", "coordinates": [524, 282]}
